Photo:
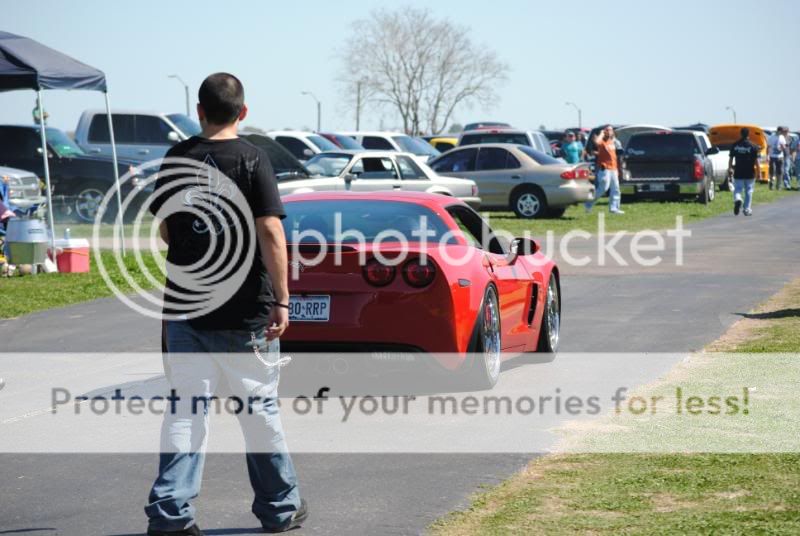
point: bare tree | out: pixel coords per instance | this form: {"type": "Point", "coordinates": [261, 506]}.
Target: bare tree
{"type": "Point", "coordinates": [421, 67]}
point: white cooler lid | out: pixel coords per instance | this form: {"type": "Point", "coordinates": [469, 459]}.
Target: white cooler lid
{"type": "Point", "coordinates": [72, 243]}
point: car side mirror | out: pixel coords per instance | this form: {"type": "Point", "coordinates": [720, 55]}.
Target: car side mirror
{"type": "Point", "coordinates": [173, 137]}
{"type": "Point", "coordinates": [348, 180]}
{"type": "Point", "coordinates": [713, 150]}
{"type": "Point", "coordinates": [308, 153]}
{"type": "Point", "coordinates": [522, 246]}
{"type": "Point", "coordinates": [39, 152]}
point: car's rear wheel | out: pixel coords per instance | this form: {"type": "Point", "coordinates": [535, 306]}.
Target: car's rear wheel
{"type": "Point", "coordinates": [727, 184]}
{"type": "Point", "coordinates": [709, 191]}
{"type": "Point", "coordinates": [529, 202]}
{"type": "Point", "coordinates": [550, 330]}
{"type": "Point", "coordinates": [87, 200]}
{"type": "Point", "coordinates": [484, 363]}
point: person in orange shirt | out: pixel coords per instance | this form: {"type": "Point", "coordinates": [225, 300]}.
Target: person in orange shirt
{"type": "Point", "coordinates": [607, 175]}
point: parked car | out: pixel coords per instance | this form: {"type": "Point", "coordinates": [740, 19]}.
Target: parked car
{"type": "Point", "coordinates": [531, 138]}
{"type": "Point", "coordinates": [78, 181]}
{"type": "Point", "coordinates": [485, 124]}
{"type": "Point", "coordinates": [19, 185]}
{"type": "Point", "coordinates": [441, 143]}
{"type": "Point", "coordinates": [669, 164]}
{"type": "Point", "coordinates": [699, 127]}
{"type": "Point", "coordinates": [284, 164]}
{"type": "Point", "coordinates": [503, 299]}
{"type": "Point", "coordinates": [395, 141]}
{"type": "Point", "coordinates": [342, 141]}
{"type": "Point", "coordinates": [139, 136]}
{"type": "Point", "coordinates": [366, 171]}
{"type": "Point", "coordinates": [527, 181]}
{"type": "Point", "coordinates": [302, 145]}
{"type": "Point", "coordinates": [724, 136]}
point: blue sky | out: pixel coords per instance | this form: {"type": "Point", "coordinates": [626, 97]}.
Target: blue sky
{"type": "Point", "coordinates": [623, 62]}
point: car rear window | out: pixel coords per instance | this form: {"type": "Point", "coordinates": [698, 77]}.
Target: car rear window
{"type": "Point", "coordinates": [539, 157]}
{"type": "Point", "coordinates": [495, 137]}
{"type": "Point", "coordinates": [661, 145]}
{"type": "Point", "coordinates": [360, 218]}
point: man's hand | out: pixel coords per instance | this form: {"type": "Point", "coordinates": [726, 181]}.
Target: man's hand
{"type": "Point", "coordinates": [278, 322]}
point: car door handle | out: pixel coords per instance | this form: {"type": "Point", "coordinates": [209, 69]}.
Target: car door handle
{"type": "Point", "coordinates": [95, 150]}
{"type": "Point", "coordinates": [397, 187]}
{"type": "Point", "coordinates": [516, 177]}
{"type": "Point", "coordinates": [144, 151]}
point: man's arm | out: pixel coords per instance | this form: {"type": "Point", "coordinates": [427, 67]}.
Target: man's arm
{"type": "Point", "coordinates": [272, 244]}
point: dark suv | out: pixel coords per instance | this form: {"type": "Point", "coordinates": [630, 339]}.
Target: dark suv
{"type": "Point", "coordinates": [668, 164]}
{"type": "Point", "coordinates": [78, 181]}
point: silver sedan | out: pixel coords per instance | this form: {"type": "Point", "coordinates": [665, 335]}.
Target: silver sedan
{"type": "Point", "coordinates": [373, 171]}
{"type": "Point", "coordinates": [529, 182]}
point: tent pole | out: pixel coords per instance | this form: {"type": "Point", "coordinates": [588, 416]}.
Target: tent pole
{"type": "Point", "coordinates": [47, 175]}
{"type": "Point", "coordinates": [116, 171]}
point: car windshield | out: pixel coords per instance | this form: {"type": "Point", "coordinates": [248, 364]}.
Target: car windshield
{"type": "Point", "coordinates": [328, 165]}
{"type": "Point", "coordinates": [428, 149]}
{"type": "Point", "coordinates": [322, 143]}
{"type": "Point", "coordinates": [661, 145]}
{"type": "Point", "coordinates": [187, 125]}
{"type": "Point", "coordinates": [61, 143]}
{"type": "Point", "coordinates": [495, 137]}
{"type": "Point", "coordinates": [538, 157]}
{"type": "Point", "coordinates": [348, 143]}
{"type": "Point", "coordinates": [414, 146]}
{"type": "Point", "coordinates": [355, 219]}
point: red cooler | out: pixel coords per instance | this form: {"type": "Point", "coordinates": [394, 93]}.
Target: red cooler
{"type": "Point", "coordinates": [72, 255]}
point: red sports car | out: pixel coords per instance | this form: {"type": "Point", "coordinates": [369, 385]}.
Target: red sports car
{"type": "Point", "coordinates": [415, 272]}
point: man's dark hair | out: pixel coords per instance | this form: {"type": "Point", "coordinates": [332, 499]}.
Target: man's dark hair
{"type": "Point", "coordinates": [222, 97]}
{"type": "Point", "coordinates": [745, 132]}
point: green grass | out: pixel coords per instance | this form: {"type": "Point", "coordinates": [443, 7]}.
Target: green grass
{"type": "Point", "coordinates": [664, 491]}
{"type": "Point", "coordinates": [638, 215]}
{"type": "Point", "coordinates": [28, 294]}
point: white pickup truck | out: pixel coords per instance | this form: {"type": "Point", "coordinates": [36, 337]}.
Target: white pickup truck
{"type": "Point", "coordinates": [719, 163]}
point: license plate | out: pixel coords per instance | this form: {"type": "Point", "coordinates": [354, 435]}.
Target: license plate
{"type": "Point", "coordinates": [656, 187]}
{"type": "Point", "coordinates": [309, 308]}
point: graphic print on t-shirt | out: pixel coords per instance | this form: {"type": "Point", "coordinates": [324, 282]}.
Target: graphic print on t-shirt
{"type": "Point", "coordinates": [206, 197]}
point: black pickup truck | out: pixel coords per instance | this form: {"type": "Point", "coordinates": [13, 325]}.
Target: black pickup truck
{"type": "Point", "coordinates": [78, 181]}
{"type": "Point", "coordinates": [668, 164]}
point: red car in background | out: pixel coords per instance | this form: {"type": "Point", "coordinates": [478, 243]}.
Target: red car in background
{"type": "Point", "coordinates": [342, 141]}
{"type": "Point", "coordinates": [391, 290]}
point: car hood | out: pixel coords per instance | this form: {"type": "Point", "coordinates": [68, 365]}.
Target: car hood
{"type": "Point", "coordinates": [729, 134]}
{"type": "Point", "coordinates": [14, 172]}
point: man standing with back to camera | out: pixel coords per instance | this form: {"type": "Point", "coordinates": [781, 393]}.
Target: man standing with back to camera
{"type": "Point", "coordinates": [232, 343]}
{"type": "Point", "coordinates": [743, 166]}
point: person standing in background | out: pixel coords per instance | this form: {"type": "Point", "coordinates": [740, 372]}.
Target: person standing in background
{"type": "Point", "coordinates": [571, 148]}
{"type": "Point", "coordinates": [775, 148]}
{"type": "Point", "coordinates": [743, 166]}
{"type": "Point", "coordinates": [607, 176]}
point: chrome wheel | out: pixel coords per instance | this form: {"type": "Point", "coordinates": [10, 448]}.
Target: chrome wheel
{"type": "Point", "coordinates": [490, 336]}
{"type": "Point", "coordinates": [528, 205]}
{"type": "Point", "coordinates": [553, 312]}
{"type": "Point", "coordinates": [87, 202]}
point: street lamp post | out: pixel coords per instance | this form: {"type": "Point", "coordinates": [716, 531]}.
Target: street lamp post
{"type": "Point", "coordinates": [186, 91]}
{"type": "Point", "coordinates": [730, 108]}
{"type": "Point", "coordinates": [580, 119]}
{"type": "Point", "coordinates": [359, 84]}
{"type": "Point", "coordinates": [319, 108]}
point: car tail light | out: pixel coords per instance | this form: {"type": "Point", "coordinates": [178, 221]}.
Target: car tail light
{"type": "Point", "coordinates": [378, 274]}
{"type": "Point", "coordinates": [699, 173]}
{"type": "Point", "coordinates": [474, 190]}
{"type": "Point", "coordinates": [419, 275]}
{"type": "Point", "coordinates": [577, 173]}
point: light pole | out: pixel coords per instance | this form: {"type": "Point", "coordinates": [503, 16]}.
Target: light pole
{"type": "Point", "coordinates": [185, 89]}
{"type": "Point", "coordinates": [580, 119]}
{"type": "Point", "coordinates": [319, 109]}
{"type": "Point", "coordinates": [733, 112]}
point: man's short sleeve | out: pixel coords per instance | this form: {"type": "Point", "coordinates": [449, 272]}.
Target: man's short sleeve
{"type": "Point", "coordinates": [265, 200]}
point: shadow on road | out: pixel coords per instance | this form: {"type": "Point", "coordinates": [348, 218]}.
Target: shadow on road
{"type": "Point", "coordinates": [781, 313]}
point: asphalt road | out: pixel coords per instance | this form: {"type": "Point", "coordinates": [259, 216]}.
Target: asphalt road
{"type": "Point", "coordinates": [730, 264]}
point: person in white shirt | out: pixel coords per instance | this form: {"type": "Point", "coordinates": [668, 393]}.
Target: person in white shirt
{"type": "Point", "coordinates": [776, 145]}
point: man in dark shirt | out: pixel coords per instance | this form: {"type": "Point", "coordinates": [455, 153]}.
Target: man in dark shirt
{"type": "Point", "coordinates": [225, 305]}
{"type": "Point", "coordinates": [743, 166]}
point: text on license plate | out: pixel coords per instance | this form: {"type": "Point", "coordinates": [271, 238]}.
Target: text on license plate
{"type": "Point", "coordinates": [309, 308]}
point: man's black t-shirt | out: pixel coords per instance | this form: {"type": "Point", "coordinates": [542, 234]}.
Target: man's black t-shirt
{"type": "Point", "coordinates": [745, 155]}
{"type": "Point", "coordinates": [246, 306]}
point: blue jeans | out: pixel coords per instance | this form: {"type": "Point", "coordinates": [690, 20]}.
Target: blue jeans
{"type": "Point", "coordinates": [746, 186]}
{"type": "Point", "coordinates": [198, 361]}
{"type": "Point", "coordinates": [605, 179]}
